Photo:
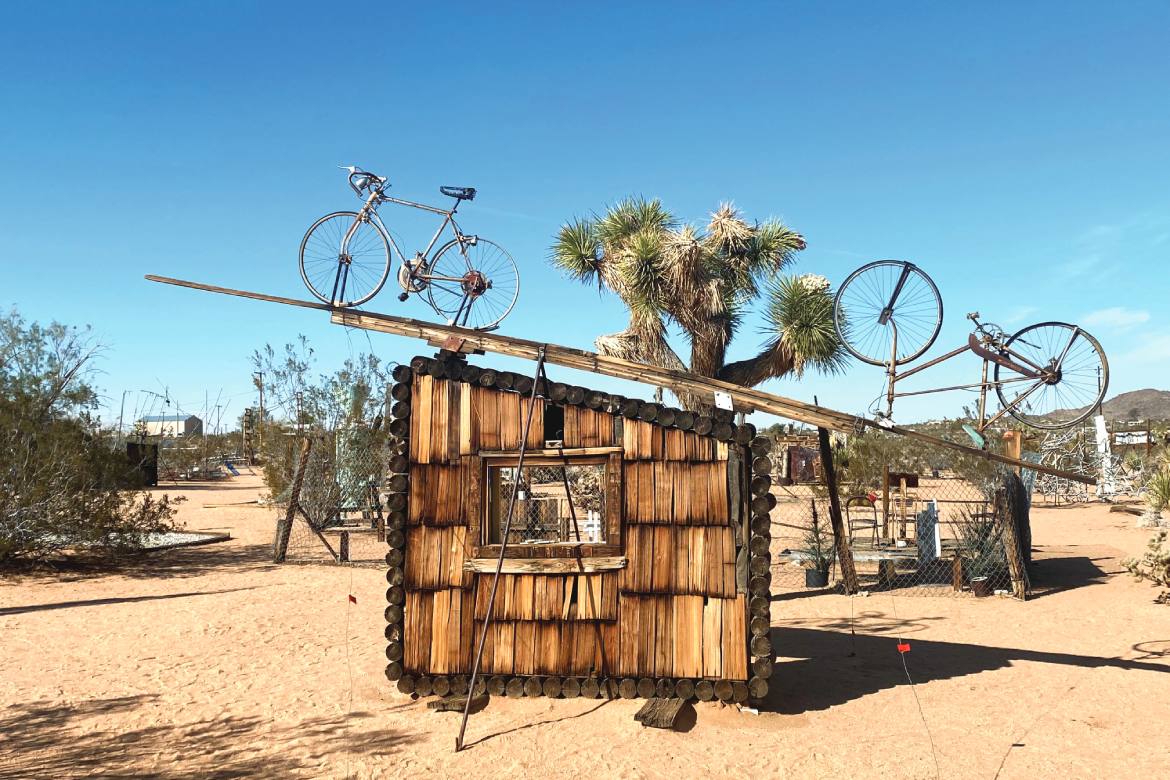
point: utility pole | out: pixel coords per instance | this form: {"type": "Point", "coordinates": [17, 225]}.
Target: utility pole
{"type": "Point", "coordinates": [121, 411]}
{"type": "Point", "coordinates": [258, 377]}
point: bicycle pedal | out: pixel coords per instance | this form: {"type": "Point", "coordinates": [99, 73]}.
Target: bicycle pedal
{"type": "Point", "coordinates": [403, 296]}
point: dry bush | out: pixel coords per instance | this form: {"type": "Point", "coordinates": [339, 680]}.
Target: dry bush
{"type": "Point", "coordinates": [62, 484]}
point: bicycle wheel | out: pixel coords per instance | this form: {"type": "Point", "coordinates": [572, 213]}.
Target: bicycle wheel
{"type": "Point", "coordinates": [883, 297]}
{"type": "Point", "coordinates": [350, 280]}
{"type": "Point", "coordinates": [473, 286]}
{"type": "Point", "coordinates": [1076, 376]}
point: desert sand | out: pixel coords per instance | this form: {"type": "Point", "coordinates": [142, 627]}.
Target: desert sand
{"type": "Point", "coordinates": [213, 662]}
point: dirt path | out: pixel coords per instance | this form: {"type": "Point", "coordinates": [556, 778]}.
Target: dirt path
{"type": "Point", "coordinates": [212, 662]}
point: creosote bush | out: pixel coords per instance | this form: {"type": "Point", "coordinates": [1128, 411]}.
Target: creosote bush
{"type": "Point", "coordinates": [62, 484]}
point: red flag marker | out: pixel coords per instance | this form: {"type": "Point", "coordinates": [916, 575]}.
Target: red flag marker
{"type": "Point", "coordinates": [903, 647]}
{"type": "Point", "coordinates": [352, 599]}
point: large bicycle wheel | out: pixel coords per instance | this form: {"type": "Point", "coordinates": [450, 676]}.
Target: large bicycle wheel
{"type": "Point", "coordinates": [881, 299]}
{"type": "Point", "coordinates": [350, 278]}
{"type": "Point", "coordinates": [473, 285]}
{"type": "Point", "coordinates": [1074, 371]}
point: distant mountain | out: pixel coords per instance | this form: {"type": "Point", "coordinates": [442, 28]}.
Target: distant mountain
{"type": "Point", "coordinates": [1148, 404]}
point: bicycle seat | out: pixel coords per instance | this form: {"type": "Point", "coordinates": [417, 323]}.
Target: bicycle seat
{"type": "Point", "coordinates": [462, 193]}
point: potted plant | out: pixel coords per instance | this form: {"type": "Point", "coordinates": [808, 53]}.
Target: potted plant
{"type": "Point", "coordinates": [982, 551]}
{"type": "Point", "coordinates": [818, 552]}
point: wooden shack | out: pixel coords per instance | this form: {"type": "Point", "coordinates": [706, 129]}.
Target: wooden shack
{"type": "Point", "coordinates": [637, 564]}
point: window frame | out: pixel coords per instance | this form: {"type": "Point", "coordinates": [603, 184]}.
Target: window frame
{"type": "Point", "coordinates": [610, 457]}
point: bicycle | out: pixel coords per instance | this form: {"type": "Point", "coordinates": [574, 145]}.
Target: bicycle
{"type": "Point", "coordinates": [345, 259]}
{"type": "Point", "coordinates": [889, 313]}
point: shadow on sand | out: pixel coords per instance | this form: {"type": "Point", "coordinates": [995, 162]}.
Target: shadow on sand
{"type": "Point", "coordinates": [49, 739]}
{"type": "Point", "coordinates": [177, 562]}
{"type": "Point", "coordinates": [829, 667]}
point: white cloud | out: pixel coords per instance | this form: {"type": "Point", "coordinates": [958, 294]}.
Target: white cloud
{"type": "Point", "coordinates": [1152, 352]}
{"type": "Point", "coordinates": [1116, 318]}
{"type": "Point", "coordinates": [1019, 314]}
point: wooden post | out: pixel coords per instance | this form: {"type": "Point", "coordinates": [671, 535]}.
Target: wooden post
{"type": "Point", "coordinates": [1011, 545]}
{"type": "Point", "coordinates": [1013, 446]}
{"type": "Point", "coordinates": [885, 503]}
{"type": "Point", "coordinates": [903, 502]}
{"type": "Point", "coordinates": [343, 548]}
{"type": "Point", "coordinates": [844, 552]}
{"type": "Point", "coordinates": [284, 528]}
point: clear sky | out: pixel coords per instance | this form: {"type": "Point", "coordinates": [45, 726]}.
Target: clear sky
{"type": "Point", "coordinates": [1016, 151]}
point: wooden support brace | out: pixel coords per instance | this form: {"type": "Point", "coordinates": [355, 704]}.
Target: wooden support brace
{"type": "Point", "coordinates": [844, 551]}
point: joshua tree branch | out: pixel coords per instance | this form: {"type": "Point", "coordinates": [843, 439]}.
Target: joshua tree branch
{"type": "Point", "coordinates": [774, 361]}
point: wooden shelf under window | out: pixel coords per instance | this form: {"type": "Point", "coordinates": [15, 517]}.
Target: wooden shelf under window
{"type": "Point", "coordinates": [574, 452]}
{"type": "Point", "coordinates": [546, 565]}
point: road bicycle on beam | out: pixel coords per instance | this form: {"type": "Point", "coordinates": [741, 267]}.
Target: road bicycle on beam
{"type": "Point", "coordinates": [346, 257]}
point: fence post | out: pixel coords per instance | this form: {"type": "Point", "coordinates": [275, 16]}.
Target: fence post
{"type": "Point", "coordinates": [1011, 543]}
{"type": "Point", "coordinates": [844, 552]}
{"type": "Point", "coordinates": [284, 526]}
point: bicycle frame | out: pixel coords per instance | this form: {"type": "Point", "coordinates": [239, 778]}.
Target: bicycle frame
{"type": "Point", "coordinates": [991, 352]}
{"type": "Point", "coordinates": [369, 211]}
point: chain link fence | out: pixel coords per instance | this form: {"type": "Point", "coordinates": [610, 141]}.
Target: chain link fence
{"type": "Point", "coordinates": [915, 519]}
{"type": "Point", "coordinates": [337, 508]}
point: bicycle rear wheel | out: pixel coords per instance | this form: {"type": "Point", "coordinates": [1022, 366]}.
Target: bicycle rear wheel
{"type": "Point", "coordinates": [473, 285]}
{"type": "Point", "coordinates": [1076, 381]}
{"type": "Point", "coordinates": [351, 279]}
{"type": "Point", "coordinates": [882, 298]}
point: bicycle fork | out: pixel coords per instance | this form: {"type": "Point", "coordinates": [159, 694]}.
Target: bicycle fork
{"type": "Point", "coordinates": [344, 261]}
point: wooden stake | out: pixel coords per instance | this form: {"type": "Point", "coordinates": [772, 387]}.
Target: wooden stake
{"type": "Point", "coordinates": [844, 551]}
{"type": "Point", "coordinates": [280, 548]}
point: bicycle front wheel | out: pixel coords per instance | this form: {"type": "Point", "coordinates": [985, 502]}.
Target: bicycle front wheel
{"type": "Point", "coordinates": [344, 275]}
{"type": "Point", "coordinates": [1075, 371]}
{"type": "Point", "coordinates": [472, 285]}
{"type": "Point", "coordinates": [882, 299]}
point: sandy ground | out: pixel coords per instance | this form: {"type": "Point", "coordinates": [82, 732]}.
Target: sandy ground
{"type": "Point", "coordinates": [212, 662]}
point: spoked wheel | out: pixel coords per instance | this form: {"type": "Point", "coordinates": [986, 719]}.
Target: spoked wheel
{"type": "Point", "coordinates": [1074, 376]}
{"type": "Point", "coordinates": [346, 278]}
{"type": "Point", "coordinates": [881, 298]}
{"type": "Point", "coordinates": [473, 286]}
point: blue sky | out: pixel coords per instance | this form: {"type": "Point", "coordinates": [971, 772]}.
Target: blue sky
{"type": "Point", "coordinates": [1016, 151]}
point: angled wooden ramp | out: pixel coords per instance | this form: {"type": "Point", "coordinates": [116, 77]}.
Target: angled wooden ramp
{"type": "Point", "coordinates": [745, 398]}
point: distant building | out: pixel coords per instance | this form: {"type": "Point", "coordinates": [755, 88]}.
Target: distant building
{"type": "Point", "coordinates": [172, 426]}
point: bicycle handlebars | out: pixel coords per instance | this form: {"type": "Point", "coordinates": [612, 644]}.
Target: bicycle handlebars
{"type": "Point", "coordinates": [360, 180]}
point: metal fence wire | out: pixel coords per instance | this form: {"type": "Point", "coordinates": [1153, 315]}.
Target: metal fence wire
{"type": "Point", "coordinates": [339, 516]}
{"type": "Point", "coordinates": [929, 524]}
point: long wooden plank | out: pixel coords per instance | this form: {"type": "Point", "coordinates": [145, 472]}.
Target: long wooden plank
{"type": "Point", "coordinates": [746, 399]}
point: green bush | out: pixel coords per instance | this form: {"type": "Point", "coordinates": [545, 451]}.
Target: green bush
{"type": "Point", "coordinates": [62, 483]}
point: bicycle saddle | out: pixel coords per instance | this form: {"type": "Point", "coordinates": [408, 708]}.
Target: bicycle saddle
{"type": "Point", "coordinates": [462, 193]}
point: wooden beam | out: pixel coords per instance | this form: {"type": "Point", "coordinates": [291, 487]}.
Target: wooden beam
{"type": "Point", "coordinates": [679, 381]}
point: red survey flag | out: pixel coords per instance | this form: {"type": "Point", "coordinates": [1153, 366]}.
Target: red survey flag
{"type": "Point", "coordinates": [352, 599]}
{"type": "Point", "coordinates": [903, 647]}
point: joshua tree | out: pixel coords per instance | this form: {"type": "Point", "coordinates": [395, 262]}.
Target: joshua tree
{"type": "Point", "coordinates": [702, 281]}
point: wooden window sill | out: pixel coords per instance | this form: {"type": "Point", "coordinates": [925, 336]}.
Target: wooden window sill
{"type": "Point", "coordinates": [568, 453]}
{"type": "Point", "coordinates": [546, 565]}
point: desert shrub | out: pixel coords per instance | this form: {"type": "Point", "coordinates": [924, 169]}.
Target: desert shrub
{"type": "Point", "coordinates": [1158, 489]}
{"type": "Point", "coordinates": [981, 543]}
{"type": "Point", "coordinates": [1154, 565]}
{"type": "Point", "coordinates": [862, 463]}
{"type": "Point", "coordinates": [62, 484]}
{"type": "Point", "coordinates": [302, 403]}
